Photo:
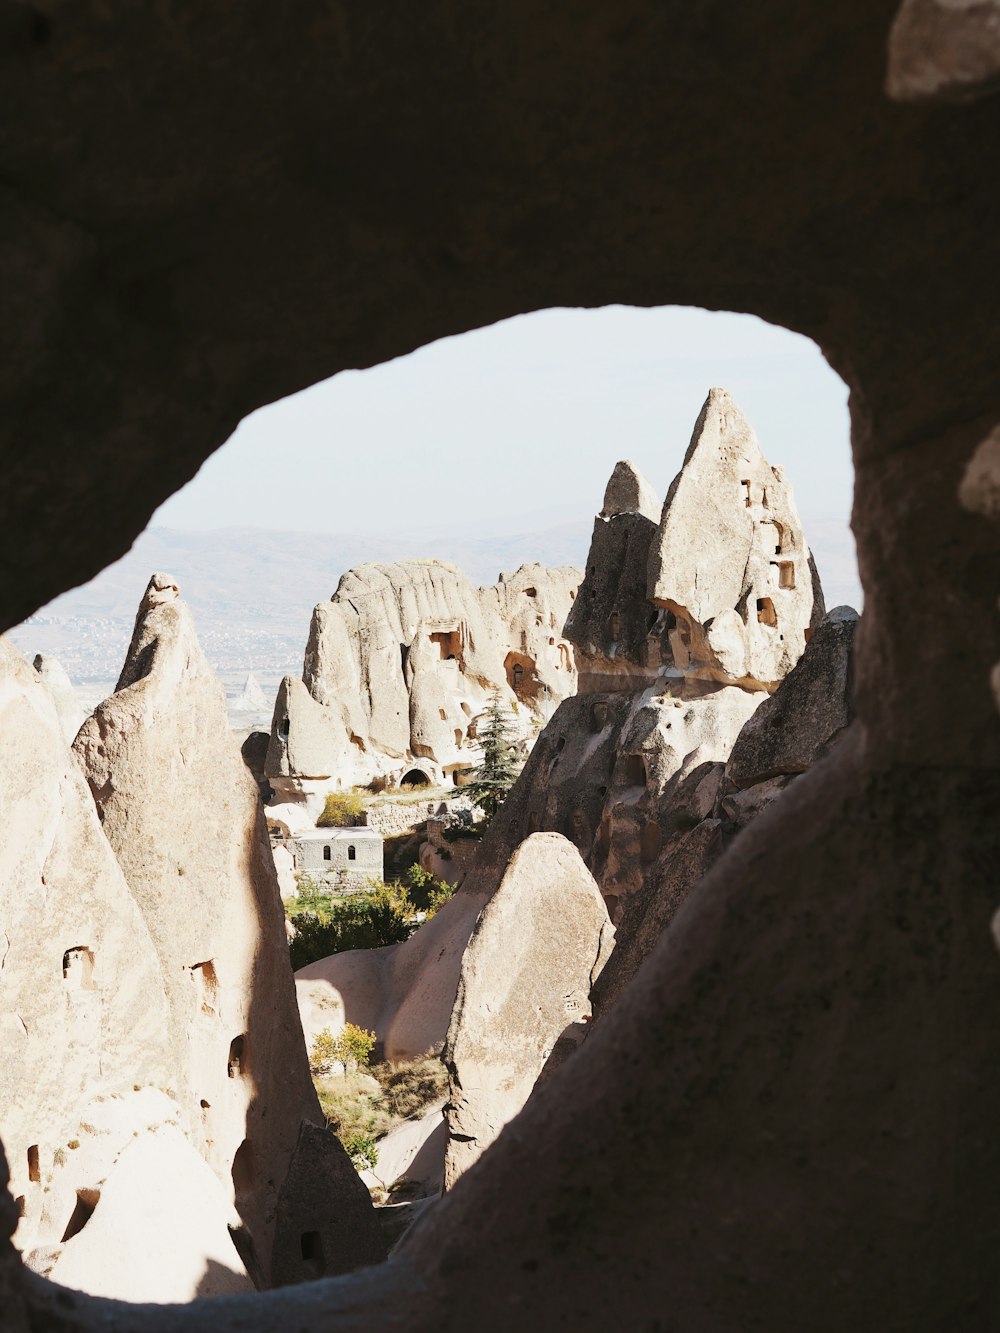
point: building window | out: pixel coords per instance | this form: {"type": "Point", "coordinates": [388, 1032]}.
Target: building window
{"type": "Point", "coordinates": [326, 853]}
{"type": "Point", "coordinates": [352, 852]}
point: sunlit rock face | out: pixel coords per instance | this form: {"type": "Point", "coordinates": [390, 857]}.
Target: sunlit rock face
{"type": "Point", "coordinates": [182, 813]}
{"type": "Point", "coordinates": [729, 565]}
{"type": "Point", "coordinates": [687, 617]}
{"type": "Point", "coordinates": [537, 949]}
{"type": "Point", "coordinates": [403, 660]}
{"type": "Point", "coordinates": [83, 1015]}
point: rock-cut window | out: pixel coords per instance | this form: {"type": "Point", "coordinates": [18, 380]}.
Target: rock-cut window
{"type": "Point", "coordinates": [352, 852]}
{"type": "Point", "coordinates": [327, 853]}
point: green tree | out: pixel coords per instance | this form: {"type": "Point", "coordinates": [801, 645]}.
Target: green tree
{"type": "Point", "coordinates": [495, 776]}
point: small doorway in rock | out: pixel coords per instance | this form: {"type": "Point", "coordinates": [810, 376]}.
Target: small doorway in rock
{"type": "Point", "coordinates": [415, 778]}
{"type": "Point", "coordinates": [78, 968]}
{"type": "Point", "coordinates": [352, 852]}
{"type": "Point", "coordinates": [312, 1253]}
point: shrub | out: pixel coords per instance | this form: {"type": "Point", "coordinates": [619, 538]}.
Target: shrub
{"type": "Point", "coordinates": [362, 1150]}
{"type": "Point", "coordinates": [351, 1047]}
{"type": "Point", "coordinates": [409, 1086]}
{"type": "Point", "coordinates": [343, 809]}
{"type": "Point", "coordinates": [438, 897]}
{"type": "Point", "coordinates": [364, 921]}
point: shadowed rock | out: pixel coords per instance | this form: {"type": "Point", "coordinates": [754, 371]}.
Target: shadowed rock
{"type": "Point", "coordinates": [343, 1232]}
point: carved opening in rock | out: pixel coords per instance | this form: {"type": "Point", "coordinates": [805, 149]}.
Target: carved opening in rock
{"type": "Point", "coordinates": [449, 644]}
{"type": "Point", "coordinates": [560, 744]}
{"type": "Point", "coordinates": [635, 770]}
{"type": "Point", "coordinates": [779, 534]}
{"type": "Point", "coordinates": [327, 853]}
{"type": "Point", "coordinates": [283, 728]}
{"type": "Point", "coordinates": [458, 735]}
{"type": "Point", "coordinates": [83, 1210]}
{"type": "Point", "coordinates": [416, 777]}
{"type": "Point", "coordinates": [466, 709]}
{"type": "Point", "coordinates": [312, 1253]}
{"type": "Point", "coordinates": [602, 842]}
{"type": "Point", "coordinates": [442, 715]}
{"type": "Point", "coordinates": [616, 626]}
{"type": "Point", "coordinates": [766, 614]}
{"type": "Point", "coordinates": [404, 653]}
{"type": "Point", "coordinates": [206, 985]}
{"type": "Point", "coordinates": [564, 663]}
{"type": "Point", "coordinates": [78, 968]}
{"type": "Point", "coordinates": [352, 852]}
{"type": "Point", "coordinates": [747, 500]}
{"type": "Point", "coordinates": [531, 592]}
{"type": "Point", "coordinates": [650, 842]}
{"type": "Point", "coordinates": [236, 1066]}
{"type": "Point", "coordinates": [598, 716]}
{"type": "Point", "coordinates": [784, 573]}
{"type": "Point", "coordinates": [33, 1173]}
{"type": "Point", "coordinates": [20, 1203]}
{"type": "Point", "coordinates": [243, 1168]}
{"type": "Point", "coordinates": [521, 676]}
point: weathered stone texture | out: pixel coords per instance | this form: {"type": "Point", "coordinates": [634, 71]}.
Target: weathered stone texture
{"type": "Point", "coordinates": [184, 818]}
{"type": "Point", "coordinates": [343, 1232]}
{"type": "Point", "coordinates": [801, 1087]}
{"type": "Point", "coordinates": [83, 1014]}
{"type": "Point", "coordinates": [401, 663]}
{"type": "Point", "coordinates": [538, 947]}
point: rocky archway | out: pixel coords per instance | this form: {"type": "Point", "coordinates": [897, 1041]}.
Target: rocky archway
{"type": "Point", "coordinates": [807, 1067]}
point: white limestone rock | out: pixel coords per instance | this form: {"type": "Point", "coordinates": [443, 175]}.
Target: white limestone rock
{"type": "Point", "coordinates": [71, 711]}
{"type": "Point", "coordinates": [183, 815]}
{"type": "Point", "coordinates": [402, 661]}
{"type": "Point", "coordinates": [83, 1018]}
{"type": "Point", "coordinates": [730, 564]}
{"type": "Point", "coordinates": [158, 1229]}
{"type": "Point", "coordinates": [538, 947]}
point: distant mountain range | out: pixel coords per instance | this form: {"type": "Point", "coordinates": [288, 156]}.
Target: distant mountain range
{"type": "Point", "coordinates": [252, 590]}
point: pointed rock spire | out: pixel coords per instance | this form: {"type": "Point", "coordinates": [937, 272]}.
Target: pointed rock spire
{"type": "Point", "coordinates": [628, 492]}
{"type": "Point", "coordinates": [730, 560]}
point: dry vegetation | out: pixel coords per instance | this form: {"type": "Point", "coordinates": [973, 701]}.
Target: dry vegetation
{"type": "Point", "coordinates": [372, 1102]}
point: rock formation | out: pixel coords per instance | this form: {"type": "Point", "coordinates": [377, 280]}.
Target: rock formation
{"type": "Point", "coordinates": [160, 1230]}
{"type": "Point", "coordinates": [181, 811]}
{"type": "Point", "coordinates": [251, 698]}
{"type": "Point", "coordinates": [537, 949]}
{"type": "Point", "coordinates": [801, 1088]}
{"type": "Point", "coordinates": [68, 706]}
{"type": "Point", "coordinates": [400, 664]}
{"type": "Point", "coordinates": [684, 621]}
{"type": "Point", "coordinates": [84, 1018]}
{"type": "Point", "coordinates": [343, 1231]}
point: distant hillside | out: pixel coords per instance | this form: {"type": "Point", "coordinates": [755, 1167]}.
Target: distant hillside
{"type": "Point", "coordinates": [252, 590]}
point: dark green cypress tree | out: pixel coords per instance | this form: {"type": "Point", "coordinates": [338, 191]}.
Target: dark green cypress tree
{"type": "Point", "coordinates": [495, 776]}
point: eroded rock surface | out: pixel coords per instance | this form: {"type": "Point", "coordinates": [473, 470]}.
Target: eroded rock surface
{"type": "Point", "coordinates": [537, 949]}
{"type": "Point", "coordinates": [403, 660]}
{"type": "Point", "coordinates": [344, 1233]}
{"type": "Point", "coordinates": [68, 706]}
{"type": "Point", "coordinates": [84, 1020]}
{"type": "Point", "coordinates": [181, 811]}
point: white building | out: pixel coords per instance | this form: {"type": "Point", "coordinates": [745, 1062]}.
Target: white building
{"type": "Point", "coordinates": [354, 854]}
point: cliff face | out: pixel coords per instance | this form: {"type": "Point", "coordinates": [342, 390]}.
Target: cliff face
{"type": "Point", "coordinates": [182, 813]}
{"type": "Point", "coordinates": [402, 661]}
{"type": "Point", "coordinates": [687, 618]}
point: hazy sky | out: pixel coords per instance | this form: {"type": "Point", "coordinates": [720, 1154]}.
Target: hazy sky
{"type": "Point", "coordinates": [524, 419]}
